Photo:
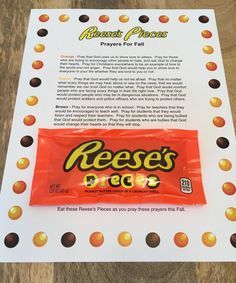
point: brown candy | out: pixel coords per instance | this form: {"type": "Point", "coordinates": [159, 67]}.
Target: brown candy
{"type": "Point", "coordinates": [11, 240]}
{"type": "Point", "coordinates": [26, 141]}
{"type": "Point", "coordinates": [203, 19]}
{"type": "Point", "coordinates": [42, 32]}
{"type": "Point", "coordinates": [153, 240]}
{"type": "Point", "coordinates": [222, 142]}
{"type": "Point", "coordinates": [214, 83]}
{"type": "Point", "coordinates": [35, 82]}
{"type": "Point", "coordinates": [143, 19]}
{"type": "Point", "coordinates": [233, 240]}
{"type": "Point", "coordinates": [83, 18]}
{"type": "Point", "coordinates": [68, 239]}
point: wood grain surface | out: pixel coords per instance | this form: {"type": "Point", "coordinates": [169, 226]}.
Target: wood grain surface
{"type": "Point", "coordinates": [14, 16]}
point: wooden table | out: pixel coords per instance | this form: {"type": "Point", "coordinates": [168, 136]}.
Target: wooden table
{"type": "Point", "coordinates": [13, 27]}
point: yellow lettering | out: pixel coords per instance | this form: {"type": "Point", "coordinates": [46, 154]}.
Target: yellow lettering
{"type": "Point", "coordinates": [82, 152]}
{"type": "Point", "coordinates": [127, 181]}
{"type": "Point", "coordinates": [90, 155]}
{"type": "Point", "coordinates": [99, 163]}
{"type": "Point", "coordinates": [88, 33]}
{"type": "Point", "coordinates": [119, 158]}
{"type": "Point", "coordinates": [137, 160]}
{"type": "Point", "coordinates": [114, 180]}
{"type": "Point", "coordinates": [90, 180]}
{"type": "Point", "coordinates": [152, 156]}
{"type": "Point", "coordinates": [131, 32]}
{"type": "Point", "coordinates": [168, 159]}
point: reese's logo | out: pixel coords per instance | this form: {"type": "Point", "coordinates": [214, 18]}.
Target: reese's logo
{"type": "Point", "coordinates": [93, 155]}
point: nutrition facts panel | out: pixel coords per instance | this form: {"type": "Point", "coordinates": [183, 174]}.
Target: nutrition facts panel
{"type": "Point", "coordinates": [89, 71]}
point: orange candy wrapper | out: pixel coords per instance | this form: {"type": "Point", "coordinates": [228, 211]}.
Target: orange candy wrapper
{"type": "Point", "coordinates": [75, 166]}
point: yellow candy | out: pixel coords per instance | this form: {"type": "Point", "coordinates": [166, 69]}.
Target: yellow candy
{"type": "Point", "coordinates": [40, 239]}
{"type": "Point", "coordinates": [124, 239]}
{"type": "Point", "coordinates": [209, 239]}
{"type": "Point", "coordinates": [123, 19]}
{"type": "Point", "coordinates": [64, 18]}
{"type": "Point", "coordinates": [208, 49]}
{"type": "Point", "coordinates": [15, 212]}
{"type": "Point", "coordinates": [39, 48]}
{"type": "Point", "coordinates": [183, 19]}
{"type": "Point", "coordinates": [225, 164]}
{"type": "Point", "coordinates": [215, 102]}
{"type": "Point", "coordinates": [22, 163]}
{"type": "Point", "coordinates": [230, 213]}
{"type": "Point", "coordinates": [32, 100]}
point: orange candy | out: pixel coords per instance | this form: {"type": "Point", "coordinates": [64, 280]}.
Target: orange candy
{"type": "Point", "coordinates": [225, 164]}
{"type": "Point", "coordinates": [183, 18]}
{"type": "Point", "coordinates": [44, 18]}
{"type": "Point", "coordinates": [208, 49]}
{"type": "Point", "coordinates": [124, 19]}
{"type": "Point", "coordinates": [124, 239]}
{"type": "Point", "coordinates": [32, 100]}
{"type": "Point", "coordinates": [163, 19]}
{"type": "Point", "coordinates": [96, 239]}
{"type": "Point", "coordinates": [230, 213]}
{"type": "Point", "coordinates": [211, 66]}
{"type": "Point", "coordinates": [19, 187]}
{"type": "Point", "coordinates": [22, 163]}
{"type": "Point", "coordinates": [215, 102]}
{"type": "Point", "coordinates": [209, 239]}
{"type": "Point", "coordinates": [181, 239]}
{"type": "Point", "coordinates": [206, 34]}
{"type": "Point", "coordinates": [29, 120]}
{"type": "Point", "coordinates": [229, 188]}
{"type": "Point", "coordinates": [103, 18]}
{"type": "Point", "coordinates": [219, 121]}
{"type": "Point", "coordinates": [37, 64]}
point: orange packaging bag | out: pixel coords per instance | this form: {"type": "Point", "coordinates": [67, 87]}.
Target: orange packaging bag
{"type": "Point", "coordinates": [75, 166]}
